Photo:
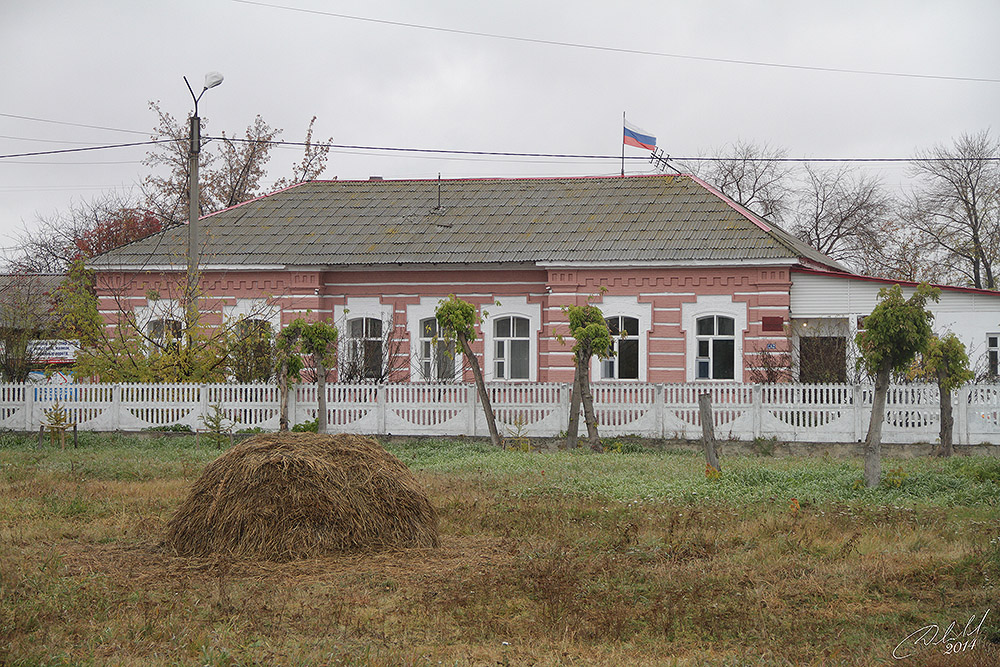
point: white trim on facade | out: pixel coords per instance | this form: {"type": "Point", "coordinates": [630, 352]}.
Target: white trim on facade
{"type": "Point", "coordinates": [516, 306]}
{"type": "Point", "coordinates": [713, 305]}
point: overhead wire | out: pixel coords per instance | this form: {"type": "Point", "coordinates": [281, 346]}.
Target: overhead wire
{"type": "Point", "coordinates": [446, 152]}
{"type": "Point", "coordinates": [615, 49]}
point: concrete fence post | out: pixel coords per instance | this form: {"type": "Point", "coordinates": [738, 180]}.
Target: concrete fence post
{"type": "Point", "coordinates": [660, 409]}
{"type": "Point", "coordinates": [470, 406]}
{"type": "Point", "coordinates": [961, 409]}
{"type": "Point", "coordinates": [756, 409]}
{"type": "Point", "coordinates": [29, 407]}
{"type": "Point", "coordinates": [116, 407]}
{"type": "Point", "coordinates": [381, 403]}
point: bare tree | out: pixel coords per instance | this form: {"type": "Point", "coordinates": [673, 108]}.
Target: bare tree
{"type": "Point", "coordinates": [841, 213]}
{"type": "Point", "coordinates": [230, 174]}
{"type": "Point", "coordinates": [957, 207]}
{"type": "Point", "coordinates": [313, 161]}
{"type": "Point", "coordinates": [82, 230]}
{"type": "Point", "coordinates": [753, 177]}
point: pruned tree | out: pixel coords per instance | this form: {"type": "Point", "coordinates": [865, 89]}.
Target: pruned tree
{"type": "Point", "coordinates": [590, 330]}
{"type": "Point", "coordinates": [957, 206]}
{"type": "Point", "coordinates": [841, 213]}
{"type": "Point", "coordinates": [288, 365]}
{"type": "Point", "coordinates": [458, 319]}
{"type": "Point", "coordinates": [752, 176]}
{"type": "Point", "coordinates": [319, 342]}
{"type": "Point", "coordinates": [947, 361]}
{"type": "Point", "coordinates": [897, 330]}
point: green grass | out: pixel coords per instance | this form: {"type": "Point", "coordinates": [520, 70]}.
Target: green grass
{"type": "Point", "coordinates": [678, 476]}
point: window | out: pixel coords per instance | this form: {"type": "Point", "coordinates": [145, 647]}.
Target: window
{"type": "Point", "coordinates": [993, 353]}
{"type": "Point", "coordinates": [437, 358]}
{"type": "Point", "coordinates": [716, 348]}
{"type": "Point", "coordinates": [511, 348]}
{"type": "Point", "coordinates": [165, 334]}
{"type": "Point", "coordinates": [822, 359]}
{"type": "Point", "coordinates": [625, 336]}
{"type": "Point", "coordinates": [364, 349]}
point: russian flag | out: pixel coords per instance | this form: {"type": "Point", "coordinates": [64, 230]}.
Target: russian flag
{"type": "Point", "coordinates": [635, 136]}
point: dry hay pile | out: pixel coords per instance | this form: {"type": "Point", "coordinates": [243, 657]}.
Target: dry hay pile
{"type": "Point", "coordinates": [283, 496]}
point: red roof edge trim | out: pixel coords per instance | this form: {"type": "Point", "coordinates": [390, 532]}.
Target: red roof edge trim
{"type": "Point", "coordinates": [733, 205]}
{"type": "Point", "coordinates": [893, 281]}
{"type": "Point", "coordinates": [615, 177]}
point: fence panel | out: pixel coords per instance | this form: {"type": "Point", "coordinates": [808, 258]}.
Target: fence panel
{"type": "Point", "coordinates": [804, 413]}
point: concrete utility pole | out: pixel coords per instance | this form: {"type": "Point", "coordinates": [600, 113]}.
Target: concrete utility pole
{"type": "Point", "coordinates": [212, 79]}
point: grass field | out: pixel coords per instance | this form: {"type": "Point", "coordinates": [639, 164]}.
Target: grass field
{"type": "Point", "coordinates": [546, 559]}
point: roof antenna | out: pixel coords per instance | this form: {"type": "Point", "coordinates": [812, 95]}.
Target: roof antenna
{"type": "Point", "coordinates": [439, 191]}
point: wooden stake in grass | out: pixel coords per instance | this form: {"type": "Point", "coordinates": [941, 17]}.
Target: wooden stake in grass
{"type": "Point", "coordinates": [708, 430]}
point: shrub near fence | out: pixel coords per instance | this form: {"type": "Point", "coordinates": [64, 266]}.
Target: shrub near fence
{"type": "Point", "coordinates": [792, 412]}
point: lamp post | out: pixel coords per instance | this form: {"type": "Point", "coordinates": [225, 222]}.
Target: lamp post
{"type": "Point", "coordinates": [212, 79]}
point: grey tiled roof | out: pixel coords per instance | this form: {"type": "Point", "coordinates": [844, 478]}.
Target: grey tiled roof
{"type": "Point", "coordinates": [335, 223]}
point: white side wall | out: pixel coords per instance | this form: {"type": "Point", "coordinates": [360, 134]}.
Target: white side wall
{"type": "Point", "coordinates": [969, 315]}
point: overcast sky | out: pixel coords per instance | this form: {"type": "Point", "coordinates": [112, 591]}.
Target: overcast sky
{"type": "Point", "coordinates": [378, 83]}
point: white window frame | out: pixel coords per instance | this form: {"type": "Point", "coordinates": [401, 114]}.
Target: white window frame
{"type": "Point", "coordinates": [511, 307]}
{"type": "Point", "coordinates": [713, 305]}
{"type": "Point", "coordinates": [627, 306]}
{"type": "Point", "coordinates": [415, 314]}
{"type": "Point", "coordinates": [361, 307]}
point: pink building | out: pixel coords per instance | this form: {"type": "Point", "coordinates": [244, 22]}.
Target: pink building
{"type": "Point", "coordinates": [692, 284]}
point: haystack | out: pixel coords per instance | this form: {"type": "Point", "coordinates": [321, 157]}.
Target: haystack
{"type": "Point", "coordinates": [284, 496]}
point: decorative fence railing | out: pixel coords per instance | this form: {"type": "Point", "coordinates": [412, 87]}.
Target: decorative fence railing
{"type": "Point", "coordinates": [793, 412]}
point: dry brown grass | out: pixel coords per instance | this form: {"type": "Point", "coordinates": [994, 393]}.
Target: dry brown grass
{"type": "Point", "coordinates": [519, 577]}
{"type": "Point", "coordinates": [286, 496]}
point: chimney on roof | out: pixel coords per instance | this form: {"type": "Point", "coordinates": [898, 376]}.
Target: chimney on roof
{"type": "Point", "coordinates": [374, 178]}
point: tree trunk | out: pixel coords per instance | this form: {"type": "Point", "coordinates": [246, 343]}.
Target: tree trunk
{"type": "Point", "coordinates": [587, 396]}
{"type": "Point", "coordinates": [283, 396]}
{"type": "Point", "coordinates": [946, 448]}
{"type": "Point", "coordinates": [320, 394]}
{"type": "Point", "coordinates": [477, 374]}
{"type": "Point", "coordinates": [708, 430]}
{"type": "Point", "coordinates": [574, 410]}
{"type": "Point", "coordinates": [873, 443]}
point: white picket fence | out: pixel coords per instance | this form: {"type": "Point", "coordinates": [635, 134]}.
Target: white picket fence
{"type": "Point", "coordinates": [790, 412]}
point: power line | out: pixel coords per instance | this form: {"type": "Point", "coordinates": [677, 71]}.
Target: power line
{"type": "Point", "coordinates": [613, 49]}
{"type": "Point", "coordinates": [88, 148]}
{"type": "Point", "coordinates": [63, 122]}
{"type": "Point", "coordinates": [560, 156]}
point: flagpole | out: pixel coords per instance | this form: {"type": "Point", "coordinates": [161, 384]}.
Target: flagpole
{"type": "Point", "coordinates": [623, 145]}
